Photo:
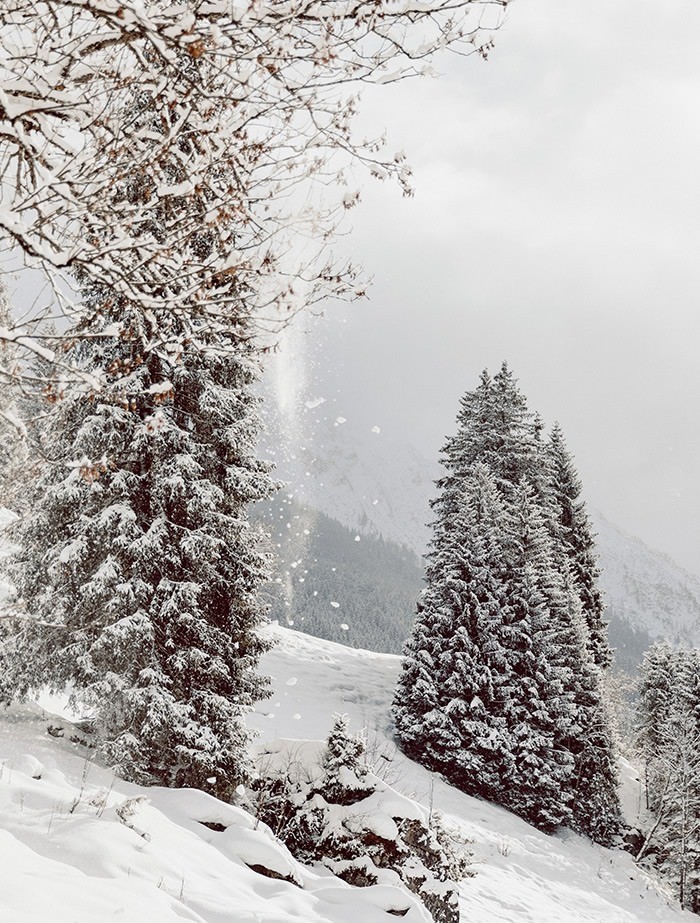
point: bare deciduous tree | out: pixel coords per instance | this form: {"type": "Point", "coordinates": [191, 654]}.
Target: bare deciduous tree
{"type": "Point", "coordinates": [247, 102]}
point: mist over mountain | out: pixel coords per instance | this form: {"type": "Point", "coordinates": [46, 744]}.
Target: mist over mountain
{"type": "Point", "coordinates": [369, 488]}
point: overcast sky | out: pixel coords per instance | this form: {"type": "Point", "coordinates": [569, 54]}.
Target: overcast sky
{"type": "Point", "coordinates": [556, 225]}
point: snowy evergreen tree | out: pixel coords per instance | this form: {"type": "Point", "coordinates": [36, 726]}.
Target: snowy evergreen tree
{"type": "Point", "coordinates": [447, 706]}
{"type": "Point", "coordinates": [500, 688]}
{"type": "Point", "coordinates": [594, 784]}
{"type": "Point", "coordinates": [657, 695]}
{"type": "Point", "coordinates": [494, 428]}
{"type": "Point", "coordinates": [669, 741]}
{"type": "Point", "coordinates": [576, 537]}
{"type": "Point", "coordinates": [539, 691]}
{"type": "Point", "coordinates": [344, 766]}
{"type": "Point", "coordinates": [138, 566]}
{"type": "Point", "coordinates": [573, 690]}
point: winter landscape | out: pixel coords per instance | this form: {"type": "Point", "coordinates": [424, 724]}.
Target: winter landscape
{"type": "Point", "coordinates": [313, 614]}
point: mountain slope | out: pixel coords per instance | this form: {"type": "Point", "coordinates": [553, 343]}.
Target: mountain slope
{"type": "Point", "coordinates": [335, 584]}
{"type": "Point", "coordinates": [649, 596]}
{"type": "Point", "coordinates": [78, 846]}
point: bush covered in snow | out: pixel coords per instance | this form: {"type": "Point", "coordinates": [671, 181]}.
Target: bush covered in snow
{"type": "Point", "coordinates": [327, 806]}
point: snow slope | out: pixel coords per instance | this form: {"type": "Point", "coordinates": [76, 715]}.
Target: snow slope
{"type": "Point", "coordinates": [521, 874]}
{"type": "Point", "coordinates": [78, 846]}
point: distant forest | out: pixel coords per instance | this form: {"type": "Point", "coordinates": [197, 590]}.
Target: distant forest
{"type": "Point", "coordinates": [374, 583]}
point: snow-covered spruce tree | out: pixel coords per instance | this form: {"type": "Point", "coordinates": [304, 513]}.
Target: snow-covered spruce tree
{"type": "Point", "coordinates": [594, 784]}
{"type": "Point", "coordinates": [500, 656]}
{"type": "Point", "coordinates": [577, 539]}
{"type": "Point", "coordinates": [656, 709]}
{"type": "Point", "coordinates": [669, 740]}
{"type": "Point", "coordinates": [583, 634]}
{"type": "Point", "coordinates": [344, 764]}
{"type": "Point", "coordinates": [539, 695]}
{"type": "Point", "coordinates": [494, 428]}
{"type": "Point", "coordinates": [138, 567]}
{"type": "Point", "coordinates": [657, 683]}
{"type": "Point", "coordinates": [577, 703]}
{"type": "Point", "coordinates": [448, 705]}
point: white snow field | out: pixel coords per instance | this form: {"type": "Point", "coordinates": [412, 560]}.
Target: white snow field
{"type": "Point", "coordinates": [78, 846]}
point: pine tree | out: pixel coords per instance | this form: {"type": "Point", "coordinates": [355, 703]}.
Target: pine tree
{"type": "Point", "coordinates": [500, 690]}
{"type": "Point", "coordinates": [594, 784]}
{"type": "Point", "coordinates": [494, 428]}
{"type": "Point", "coordinates": [447, 704]}
{"type": "Point", "coordinates": [577, 539]}
{"type": "Point", "coordinates": [656, 693]}
{"type": "Point", "coordinates": [138, 565]}
{"type": "Point", "coordinates": [669, 740]}
{"type": "Point", "coordinates": [540, 694]}
{"type": "Point", "coordinates": [344, 764]}
{"type": "Point", "coordinates": [580, 646]}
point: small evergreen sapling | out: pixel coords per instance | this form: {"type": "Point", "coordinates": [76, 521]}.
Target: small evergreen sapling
{"type": "Point", "coordinates": [344, 767]}
{"type": "Point", "coordinates": [328, 807]}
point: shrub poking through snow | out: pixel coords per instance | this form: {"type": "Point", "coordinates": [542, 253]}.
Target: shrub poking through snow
{"type": "Point", "coordinates": [327, 806]}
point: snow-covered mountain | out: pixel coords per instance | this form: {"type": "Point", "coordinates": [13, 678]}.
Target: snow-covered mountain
{"type": "Point", "coordinates": [649, 596]}
{"type": "Point", "coordinates": [79, 846]}
{"type": "Point", "coordinates": [375, 487]}
{"type": "Point", "coordinates": [362, 481]}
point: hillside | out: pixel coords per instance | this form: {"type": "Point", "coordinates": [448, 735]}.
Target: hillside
{"type": "Point", "coordinates": [649, 596]}
{"type": "Point", "coordinates": [78, 846]}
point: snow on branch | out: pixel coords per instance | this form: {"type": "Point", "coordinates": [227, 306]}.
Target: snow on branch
{"type": "Point", "coordinates": [143, 143]}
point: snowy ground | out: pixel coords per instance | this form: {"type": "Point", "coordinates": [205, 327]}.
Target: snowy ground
{"type": "Point", "coordinates": [521, 874]}
{"type": "Point", "coordinates": [76, 846]}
